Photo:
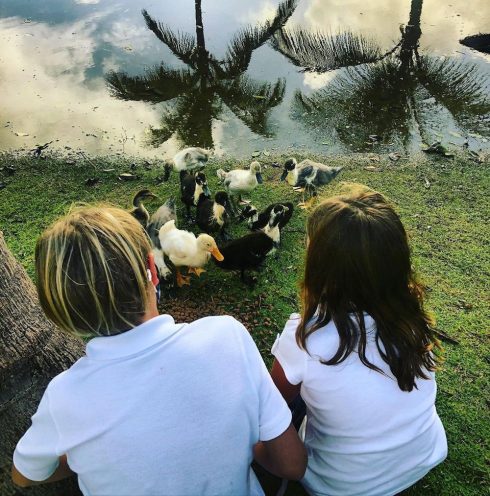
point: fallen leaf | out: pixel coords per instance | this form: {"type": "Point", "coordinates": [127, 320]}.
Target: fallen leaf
{"type": "Point", "coordinates": [126, 176]}
{"type": "Point", "coordinates": [259, 97]}
{"type": "Point", "coordinates": [426, 183]}
{"type": "Point", "coordinates": [18, 133]}
{"type": "Point", "coordinates": [108, 170]}
{"type": "Point", "coordinates": [372, 168]}
{"type": "Point", "coordinates": [394, 157]}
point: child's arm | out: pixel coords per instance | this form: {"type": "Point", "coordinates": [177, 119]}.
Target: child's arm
{"type": "Point", "coordinates": [62, 472]}
{"type": "Point", "coordinates": [289, 391]}
{"type": "Point", "coordinates": [284, 456]}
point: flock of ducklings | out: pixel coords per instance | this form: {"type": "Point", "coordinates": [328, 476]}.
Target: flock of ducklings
{"type": "Point", "coordinates": [174, 248]}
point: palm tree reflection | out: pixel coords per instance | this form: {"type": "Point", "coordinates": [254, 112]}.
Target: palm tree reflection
{"type": "Point", "coordinates": [207, 84]}
{"type": "Point", "coordinates": [392, 94]}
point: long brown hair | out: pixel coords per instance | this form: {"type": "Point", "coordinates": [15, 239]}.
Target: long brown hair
{"type": "Point", "coordinates": [358, 260]}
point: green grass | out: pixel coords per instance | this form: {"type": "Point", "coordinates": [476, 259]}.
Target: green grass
{"type": "Point", "coordinates": [447, 223]}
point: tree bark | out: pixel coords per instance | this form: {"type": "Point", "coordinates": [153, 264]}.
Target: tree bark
{"type": "Point", "coordinates": [32, 352]}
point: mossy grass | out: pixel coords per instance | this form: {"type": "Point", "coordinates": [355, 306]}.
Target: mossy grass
{"type": "Point", "coordinates": [443, 203]}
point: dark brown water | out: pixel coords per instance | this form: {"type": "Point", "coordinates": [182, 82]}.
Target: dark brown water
{"type": "Point", "coordinates": [97, 75]}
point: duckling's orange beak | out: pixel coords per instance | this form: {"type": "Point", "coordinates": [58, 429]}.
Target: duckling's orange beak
{"type": "Point", "coordinates": [217, 254]}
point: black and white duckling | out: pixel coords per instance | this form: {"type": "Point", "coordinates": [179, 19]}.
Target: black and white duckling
{"type": "Point", "coordinates": [241, 181]}
{"type": "Point", "coordinates": [165, 213]}
{"type": "Point", "coordinates": [188, 159]}
{"type": "Point", "coordinates": [257, 221]}
{"type": "Point", "coordinates": [192, 186]}
{"type": "Point", "coordinates": [308, 175]}
{"type": "Point", "coordinates": [250, 251]}
{"type": "Point", "coordinates": [139, 211]}
{"type": "Point", "coordinates": [212, 215]}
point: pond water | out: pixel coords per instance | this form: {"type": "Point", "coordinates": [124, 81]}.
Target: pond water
{"type": "Point", "coordinates": [97, 75]}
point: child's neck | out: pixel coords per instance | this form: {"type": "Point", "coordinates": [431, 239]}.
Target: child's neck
{"type": "Point", "coordinates": [151, 310]}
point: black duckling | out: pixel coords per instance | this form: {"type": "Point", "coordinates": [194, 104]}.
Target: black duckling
{"type": "Point", "coordinates": [139, 211]}
{"type": "Point", "coordinates": [191, 188]}
{"type": "Point", "coordinates": [257, 221]}
{"type": "Point", "coordinates": [250, 251]}
{"type": "Point", "coordinates": [188, 159]}
{"type": "Point", "coordinates": [246, 253]}
{"type": "Point", "coordinates": [212, 216]}
{"type": "Point", "coordinates": [165, 213]}
{"type": "Point", "coordinates": [308, 175]}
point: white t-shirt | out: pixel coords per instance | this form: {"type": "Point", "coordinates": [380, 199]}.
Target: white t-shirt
{"type": "Point", "coordinates": [364, 435]}
{"type": "Point", "coordinates": [163, 409]}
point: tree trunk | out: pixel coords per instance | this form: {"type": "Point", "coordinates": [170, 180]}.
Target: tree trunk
{"type": "Point", "coordinates": [411, 37]}
{"type": "Point", "coordinates": [199, 27]}
{"type": "Point", "coordinates": [203, 60]}
{"type": "Point", "coordinates": [32, 352]}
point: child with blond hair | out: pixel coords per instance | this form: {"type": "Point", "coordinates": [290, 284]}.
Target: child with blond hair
{"type": "Point", "coordinates": [155, 407]}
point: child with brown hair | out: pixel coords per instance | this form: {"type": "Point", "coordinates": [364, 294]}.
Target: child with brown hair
{"type": "Point", "coordinates": [361, 354]}
{"type": "Point", "coordinates": [155, 407]}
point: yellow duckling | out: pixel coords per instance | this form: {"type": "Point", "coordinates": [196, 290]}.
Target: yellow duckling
{"type": "Point", "coordinates": [185, 250]}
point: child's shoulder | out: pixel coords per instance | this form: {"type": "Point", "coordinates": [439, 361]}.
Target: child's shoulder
{"type": "Point", "coordinates": [217, 324]}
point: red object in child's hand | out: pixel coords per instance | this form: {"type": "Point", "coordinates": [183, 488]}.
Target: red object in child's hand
{"type": "Point", "coordinates": [153, 270]}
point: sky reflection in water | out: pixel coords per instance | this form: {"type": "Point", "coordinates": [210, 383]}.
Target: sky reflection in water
{"type": "Point", "coordinates": [55, 55]}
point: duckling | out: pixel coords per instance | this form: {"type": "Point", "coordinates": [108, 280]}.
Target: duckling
{"type": "Point", "coordinates": [308, 175]}
{"type": "Point", "coordinates": [139, 211]}
{"type": "Point", "coordinates": [185, 250]}
{"type": "Point", "coordinates": [250, 214]}
{"type": "Point", "coordinates": [256, 220]}
{"type": "Point", "coordinates": [189, 159]}
{"type": "Point", "coordinates": [212, 216]}
{"type": "Point", "coordinates": [250, 251]}
{"type": "Point", "coordinates": [191, 188]}
{"type": "Point", "coordinates": [246, 253]}
{"type": "Point", "coordinates": [165, 213]}
{"type": "Point", "coordinates": [239, 181]}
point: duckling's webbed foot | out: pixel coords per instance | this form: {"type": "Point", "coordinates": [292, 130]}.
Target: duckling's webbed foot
{"type": "Point", "coordinates": [181, 280]}
{"type": "Point", "coordinates": [196, 270]}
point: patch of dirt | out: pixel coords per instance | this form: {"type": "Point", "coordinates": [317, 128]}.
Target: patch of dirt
{"type": "Point", "coordinates": [246, 310]}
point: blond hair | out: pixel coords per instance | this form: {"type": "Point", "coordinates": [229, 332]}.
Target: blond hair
{"type": "Point", "coordinates": [91, 271]}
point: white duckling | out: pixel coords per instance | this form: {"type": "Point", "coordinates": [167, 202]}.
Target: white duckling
{"type": "Point", "coordinates": [239, 181]}
{"type": "Point", "coordinates": [308, 175]}
{"type": "Point", "coordinates": [188, 159]}
{"type": "Point", "coordinates": [185, 250]}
